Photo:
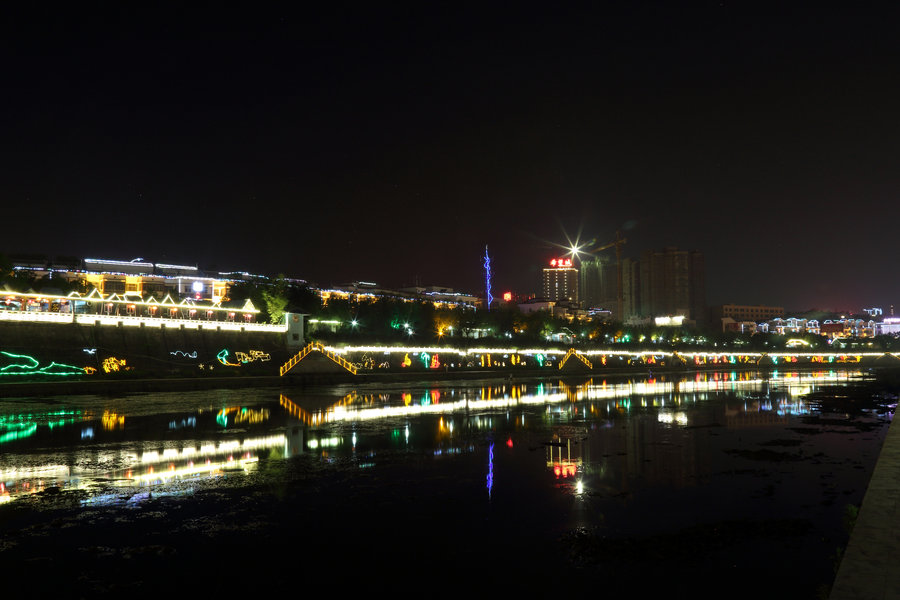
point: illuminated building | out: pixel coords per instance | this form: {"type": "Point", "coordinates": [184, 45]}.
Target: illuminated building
{"type": "Point", "coordinates": [890, 326]}
{"type": "Point", "coordinates": [743, 318]}
{"type": "Point", "coordinates": [135, 276]}
{"type": "Point", "coordinates": [365, 291]}
{"type": "Point", "coordinates": [442, 297]}
{"type": "Point", "coordinates": [536, 304]}
{"type": "Point", "coordinates": [126, 310]}
{"type": "Point", "coordinates": [744, 312]}
{"type": "Point", "coordinates": [561, 281]}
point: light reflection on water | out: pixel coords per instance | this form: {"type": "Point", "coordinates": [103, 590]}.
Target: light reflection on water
{"type": "Point", "coordinates": [115, 449]}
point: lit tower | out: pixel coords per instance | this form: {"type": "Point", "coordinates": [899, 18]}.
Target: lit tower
{"type": "Point", "coordinates": [487, 277]}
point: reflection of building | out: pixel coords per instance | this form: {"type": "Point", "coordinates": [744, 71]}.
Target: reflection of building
{"type": "Point", "coordinates": [666, 282]}
{"type": "Point", "coordinates": [561, 280]}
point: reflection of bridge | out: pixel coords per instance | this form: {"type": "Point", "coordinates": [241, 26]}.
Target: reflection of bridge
{"type": "Point", "coordinates": [355, 406]}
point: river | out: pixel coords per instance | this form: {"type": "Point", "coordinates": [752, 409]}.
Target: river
{"type": "Point", "coordinates": [728, 483]}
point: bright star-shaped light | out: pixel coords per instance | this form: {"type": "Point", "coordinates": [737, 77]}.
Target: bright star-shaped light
{"type": "Point", "coordinates": [575, 251]}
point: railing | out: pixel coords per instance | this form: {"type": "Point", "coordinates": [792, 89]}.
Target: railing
{"type": "Point", "coordinates": [295, 359]}
{"type": "Point", "coordinates": [572, 353]}
{"type": "Point", "coordinates": [338, 359]}
{"type": "Point", "coordinates": [134, 321]}
{"type": "Point", "coordinates": [315, 346]}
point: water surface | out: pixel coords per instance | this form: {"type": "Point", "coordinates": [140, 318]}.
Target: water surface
{"type": "Point", "coordinates": [736, 483]}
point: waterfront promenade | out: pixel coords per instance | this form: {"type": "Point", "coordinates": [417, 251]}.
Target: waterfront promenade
{"type": "Point", "coordinates": [868, 570]}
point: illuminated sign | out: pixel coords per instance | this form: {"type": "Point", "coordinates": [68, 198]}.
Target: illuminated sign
{"type": "Point", "coordinates": [507, 296]}
{"type": "Point", "coordinates": [561, 262]}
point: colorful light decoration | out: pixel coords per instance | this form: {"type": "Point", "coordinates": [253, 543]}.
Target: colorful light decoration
{"type": "Point", "coordinates": [487, 277]}
{"type": "Point", "coordinates": [30, 367]}
{"type": "Point", "coordinates": [252, 355]}
{"type": "Point", "coordinates": [112, 364]}
{"type": "Point", "coordinates": [223, 358]}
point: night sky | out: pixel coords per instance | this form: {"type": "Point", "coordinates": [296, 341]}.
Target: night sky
{"type": "Point", "coordinates": [391, 143]}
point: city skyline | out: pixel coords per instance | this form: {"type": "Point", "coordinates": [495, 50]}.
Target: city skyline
{"type": "Point", "coordinates": [392, 143]}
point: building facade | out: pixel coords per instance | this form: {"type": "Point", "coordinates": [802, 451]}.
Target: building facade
{"type": "Point", "coordinates": [745, 312]}
{"type": "Point", "coordinates": [597, 284]}
{"type": "Point", "coordinates": [666, 282]}
{"type": "Point", "coordinates": [561, 281]}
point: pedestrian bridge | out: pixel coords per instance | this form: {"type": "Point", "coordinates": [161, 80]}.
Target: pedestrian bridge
{"type": "Point", "coordinates": [372, 359]}
{"type": "Point", "coordinates": [315, 348]}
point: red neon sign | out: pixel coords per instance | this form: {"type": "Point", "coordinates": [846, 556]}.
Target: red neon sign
{"type": "Point", "coordinates": [561, 262]}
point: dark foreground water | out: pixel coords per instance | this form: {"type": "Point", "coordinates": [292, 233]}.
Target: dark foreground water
{"type": "Point", "coordinates": [713, 485]}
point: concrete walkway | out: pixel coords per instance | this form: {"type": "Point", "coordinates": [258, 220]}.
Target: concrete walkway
{"type": "Point", "coordinates": [869, 568]}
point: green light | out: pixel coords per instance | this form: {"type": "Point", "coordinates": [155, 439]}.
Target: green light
{"type": "Point", "coordinates": [30, 367]}
{"type": "Point", "coordinates": [223, 358]}
{"type": "Point", "coordinates": [24, 432]}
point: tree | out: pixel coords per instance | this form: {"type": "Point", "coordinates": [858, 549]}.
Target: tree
{"type": "Point", "coordinates": [276, 300]}
{"type": "Point", "coordinates": [6, 269]}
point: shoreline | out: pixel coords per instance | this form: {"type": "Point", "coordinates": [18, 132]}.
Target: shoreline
{"type": "Point", "coordinates": [170, 384]}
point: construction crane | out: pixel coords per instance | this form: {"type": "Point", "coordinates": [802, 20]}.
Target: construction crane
{"type": "Point", "coordinates": [618, 244]}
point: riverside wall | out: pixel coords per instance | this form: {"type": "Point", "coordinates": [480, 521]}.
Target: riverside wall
{"type": "Point", "coordinates": [137, 351]}
{"type": "Point", "coordinates": [179, 358]}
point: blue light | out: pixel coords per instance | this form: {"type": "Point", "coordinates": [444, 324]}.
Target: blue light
{"type": "Point", "coordinates": [487, 277]}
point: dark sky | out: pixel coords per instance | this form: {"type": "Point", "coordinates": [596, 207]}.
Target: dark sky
{"type": "Point", "coordinates": [391, 143]}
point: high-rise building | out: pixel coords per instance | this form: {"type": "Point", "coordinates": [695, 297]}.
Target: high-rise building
{"type": "Point", "coordinates": [561, 281]}
{"type": "Point", "coordinates": [666, 282]}
{"type": "Point", "coordinates": [597, 284]}
{"type": "Point", "coordinates": [631, 289]}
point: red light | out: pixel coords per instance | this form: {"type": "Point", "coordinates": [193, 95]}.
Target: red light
{"type": "Point", "coordinates": [553, 263]}
{"type": "Point", "coordinates": [509, 443]}
{"type": "Point", "coordinates": [507, 296]}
